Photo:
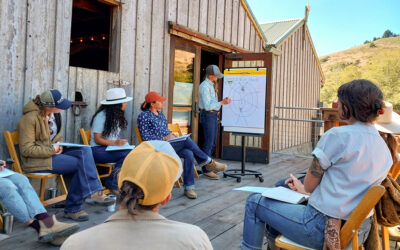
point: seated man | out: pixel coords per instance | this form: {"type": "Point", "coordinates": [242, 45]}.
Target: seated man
{"type": "Point", "coordinates": [145, 182]}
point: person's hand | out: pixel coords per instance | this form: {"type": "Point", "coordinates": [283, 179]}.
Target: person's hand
{"type": "Point", "coordinates": [56, 147]}
{"type": "Point", "coordinates": [295, 184]}
{"type": "Point", "coordinates": [2, 165]}
{"type": "Point", "coordinates": [60, 150]}
{"type": "Point", "coordinates": [225, 101]}
{"type": "Point", "coordinates": [170, 136]}
{"type": "Point", "coordinates": [120, 142]}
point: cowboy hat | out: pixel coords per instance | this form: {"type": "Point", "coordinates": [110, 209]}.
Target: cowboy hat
{"type": "Point", "coordinates": [115, 96]}
{"type": "Point", "coordinates": [389, 121]}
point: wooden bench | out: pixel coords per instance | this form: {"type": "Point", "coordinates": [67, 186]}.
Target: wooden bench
{"type": "Point", "coordinates": [12, 142]}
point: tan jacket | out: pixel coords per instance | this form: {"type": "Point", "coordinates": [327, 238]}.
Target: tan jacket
{"type": "Point", "coordinates": [34, 140]}
{"type": "Point", "coordinates": [146, 230]}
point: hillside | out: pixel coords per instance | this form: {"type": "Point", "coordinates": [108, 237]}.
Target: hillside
{"type": "Point", "coordinates": [379, 63]}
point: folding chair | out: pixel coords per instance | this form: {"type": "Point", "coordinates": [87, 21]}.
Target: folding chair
{"type": "Point", "coordinates": [86, 136]}
{"type": "Point", "coordinates": [349, 229]}
{"type": "Point", "coordinates": [12, 141]}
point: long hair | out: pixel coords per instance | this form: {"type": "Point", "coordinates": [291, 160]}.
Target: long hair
{"type": "Point", "coordinates": [360, 99]}
{"type": "Point", "coordinates": [130, 193]}
{"type": "Point", "coordinates": [145, 106]}
{"type": "Point", "coordinates": [39, 103]}
{"type": "Point", "coordinates": [392, 145]}
{"type": "Point", "coordinates": [115, 118]}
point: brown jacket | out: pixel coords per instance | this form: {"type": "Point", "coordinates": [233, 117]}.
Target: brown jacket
{"type": "Point", "coordinates": [34, 139]}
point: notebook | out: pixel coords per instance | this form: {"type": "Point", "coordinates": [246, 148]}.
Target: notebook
{"type": "Point", "coordinates": [67, 144]}
{"type": "Point", "coordinates": [277, 193]}
{"type": "Point", "coordinates": [179, 138]}
{"type": "Point", "coordinates": [125, 147]}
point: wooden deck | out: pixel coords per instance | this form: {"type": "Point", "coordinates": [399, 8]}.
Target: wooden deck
{"type": "Point", "coordinates": [218, 210]}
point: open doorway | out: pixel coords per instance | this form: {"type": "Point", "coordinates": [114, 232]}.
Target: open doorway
{"type": "Point", "coordinates": [207, 58]}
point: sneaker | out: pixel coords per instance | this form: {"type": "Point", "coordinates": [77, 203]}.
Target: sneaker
{"type": "Point", "coordinates": [78, 216]}
{"type": "Point", "coordinates": [57, 229]}
{"type": "Point", "coordinates": [216, 166]}
{"type": "Point", "coordinates": [191, 194]}
{"type": "Point", "coordinates": [211, 175]}
{"type": "Point", "coordinates": [100, 198]}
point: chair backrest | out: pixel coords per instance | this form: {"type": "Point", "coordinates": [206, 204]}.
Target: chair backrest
{"type": "Point", "coordinates": [175, 128]}
{"type": "Point", "coordinates": [86, 136]}
{"type": "Point", "coordinates": [138, 134]}
{"type": "Point", "coordinates": [359, 214]}
{"type": "Point", "coordinates": [395, 170]}
{"type": "Point", "coordinates": [12, 141]}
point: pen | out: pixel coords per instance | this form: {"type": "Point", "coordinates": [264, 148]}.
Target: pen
{"type": "Point", "coordinates": [119, 136]}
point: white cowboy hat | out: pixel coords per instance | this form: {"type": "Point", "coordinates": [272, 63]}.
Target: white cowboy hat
{"type": "Point", "coordinates": [115, 96]}
{"type": "Point", "coordinates": [389, 121]}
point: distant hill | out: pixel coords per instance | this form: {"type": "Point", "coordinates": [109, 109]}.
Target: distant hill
{"type": "Point", "coordinates": [378, 61]}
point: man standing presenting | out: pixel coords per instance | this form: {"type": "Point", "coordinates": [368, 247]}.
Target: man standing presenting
{"type": "Point", "coordinates": [209, 108]}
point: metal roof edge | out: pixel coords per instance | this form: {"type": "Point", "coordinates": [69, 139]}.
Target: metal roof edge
{"type": "Point", "coordinates": [288, 32]}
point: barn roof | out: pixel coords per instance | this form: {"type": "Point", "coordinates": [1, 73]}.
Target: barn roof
{"type": "Point", "coordinates": [277, 31]}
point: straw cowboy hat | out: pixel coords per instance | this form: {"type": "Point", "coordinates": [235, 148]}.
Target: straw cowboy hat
{"type": "Point", "coordinates": [115, 96]}
{"type": "Point", "coordinates": [389, 121]}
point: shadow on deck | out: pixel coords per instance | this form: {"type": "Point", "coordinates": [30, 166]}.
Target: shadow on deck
{"type": "Point", "coordinates": [218, 210]}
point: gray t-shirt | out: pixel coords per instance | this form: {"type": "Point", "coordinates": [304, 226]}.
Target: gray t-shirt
{"type": "Point", "coordinates": [98, 127]}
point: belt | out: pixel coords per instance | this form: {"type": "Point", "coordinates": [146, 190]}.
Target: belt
{"type": "Point", "coordinates": [209, 111]}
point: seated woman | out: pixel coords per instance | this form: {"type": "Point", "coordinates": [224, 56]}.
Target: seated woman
{"type": "Point", "coordinates": [21, 200]}
{"type": "Point", "coordinates": [154, 126]}
{"type": "Point", "coordinates": [39, 133]}
{"type": "Point", "coordinates": [106, 125]}
{"type": "Point", "coordinates": [348, 160]}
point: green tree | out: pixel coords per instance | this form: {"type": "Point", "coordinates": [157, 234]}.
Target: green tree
{"type": "Point", "coordinates": [387, 34]}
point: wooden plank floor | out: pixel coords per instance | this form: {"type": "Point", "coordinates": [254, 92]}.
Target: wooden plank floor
{"type": "Point", "coordinates": [218, 210]}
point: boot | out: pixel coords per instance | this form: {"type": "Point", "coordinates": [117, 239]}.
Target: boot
{"type": "Point", "coordinates": [216, 166]}
{"type": "Point", "coordinates": [50, 228]}
{"type": "Point", "coordinates": [100, 198]}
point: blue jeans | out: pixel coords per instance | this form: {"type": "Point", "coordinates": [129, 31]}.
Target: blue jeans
{"type": "Point", "coordinates": [100, 155]}
{"type": "Point", "coordinates": [209, 121]}
{"type": "Point", "coordinates": [19, 197]}
{"type": "Point", "coordinates": [189, 151]}
{"type": "Point", "coordinates": [300, 223]}
{"type": "Point", "coordinates": [79, 163]}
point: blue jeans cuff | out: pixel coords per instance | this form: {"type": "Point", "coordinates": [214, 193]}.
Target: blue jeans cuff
{"type": "Point", "coordinates": [205, 162]}
{"type": "Point", "coordinates": [189, 187]}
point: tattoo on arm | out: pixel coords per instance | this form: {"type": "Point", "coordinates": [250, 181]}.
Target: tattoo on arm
{"type": "Point", "coordinates": [316, 169]}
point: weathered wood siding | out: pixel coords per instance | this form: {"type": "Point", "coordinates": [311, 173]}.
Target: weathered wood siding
{"type": "Point", "coordinates": [35, 48]}
{"type": "Point", "coordinates": [296, 83]}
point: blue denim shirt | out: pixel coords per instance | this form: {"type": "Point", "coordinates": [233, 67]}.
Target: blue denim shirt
{"type": "Point", "coordinates": [151, 126]}
{"type": "Point", "coordinates": [208, 99]}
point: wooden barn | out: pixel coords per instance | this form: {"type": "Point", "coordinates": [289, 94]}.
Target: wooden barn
{"type": "Point", "coordinates": [84, 47]}
{"type": "Point", "coordinates": [296, 81]}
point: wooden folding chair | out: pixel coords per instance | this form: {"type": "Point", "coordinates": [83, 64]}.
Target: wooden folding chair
{"type": "Point", "coordinates": [86, 136]}
{"type": "Point", "coordinates": [12, 141]}
{"type": "Point", "coordinates": [349, 229]}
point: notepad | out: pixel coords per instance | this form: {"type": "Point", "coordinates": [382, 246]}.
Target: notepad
{"type": "Point", "coordinates": [285, 195]}
{"type": "Point", "coordinates": [6, 172]}
{"type": "Point", "coordinates": [68, 144]}
{"type": "Point", "coordinates": [179, 138]}
{"type": "Point", "coordinates": [116, 148]}
{"type": "Point", "coordinates": [277, 193]}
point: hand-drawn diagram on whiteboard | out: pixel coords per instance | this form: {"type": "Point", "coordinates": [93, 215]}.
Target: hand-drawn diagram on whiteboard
{"type": "Point", "coordinates": [246, 87]}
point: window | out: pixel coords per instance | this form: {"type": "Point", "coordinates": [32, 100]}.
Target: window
{"type": "Point", "coordinates": [92, 37]}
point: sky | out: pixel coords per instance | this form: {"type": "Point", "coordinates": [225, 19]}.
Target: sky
{"type": "Point", "coordinates": [334, 25]}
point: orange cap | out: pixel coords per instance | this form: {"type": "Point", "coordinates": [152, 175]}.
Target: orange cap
{"type": "Point", "coordinates": [152, 97]}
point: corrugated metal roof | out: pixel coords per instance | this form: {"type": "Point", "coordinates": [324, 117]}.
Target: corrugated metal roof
{"type": "Point", "coordinates": [277, 31]}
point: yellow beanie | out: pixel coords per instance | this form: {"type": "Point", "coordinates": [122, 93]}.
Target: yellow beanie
{"type": "Point", "coordinates": [154, 167]}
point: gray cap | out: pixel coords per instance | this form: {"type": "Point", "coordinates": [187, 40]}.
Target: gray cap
{"type": "Point", "coordinates": [214, 70]}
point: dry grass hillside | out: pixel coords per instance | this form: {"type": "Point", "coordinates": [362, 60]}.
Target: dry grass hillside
{"type": "Point", "coordinates": [378, 61]}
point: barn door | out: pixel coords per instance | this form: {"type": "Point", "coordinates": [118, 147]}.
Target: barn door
{"type": "Point", "coordinates": [258, 148]}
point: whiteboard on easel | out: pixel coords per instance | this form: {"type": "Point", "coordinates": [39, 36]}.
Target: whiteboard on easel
{"type": "Point", "coordinates": [246, 87]}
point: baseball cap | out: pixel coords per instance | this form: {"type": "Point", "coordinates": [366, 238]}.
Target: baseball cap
{"type": "Point", "coordinates": [214, 70]}
{"type": "Point", "coordinates": [152, 97]}
{"type": "Point", "coordinates": [154, 167]}
{"type": "Point", "coordinates": [54, 98]}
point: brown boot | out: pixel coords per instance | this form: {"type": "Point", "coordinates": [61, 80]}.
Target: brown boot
{"type": "Point", "coordinates": [78, 216]}
{"type": "Point", "coordinates": [191, 194]}
{"type": "Point", "coordinates": [216, 166]}
{"type": "Point", "coordinates": [211, 175]}
{"type": "Point", "coordinates": [100, 198]}
{"type": "Point", "coordinates": [50, 229]}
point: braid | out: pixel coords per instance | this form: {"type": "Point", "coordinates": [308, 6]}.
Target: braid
{"type": "Point", "coordinates": [130, 194]}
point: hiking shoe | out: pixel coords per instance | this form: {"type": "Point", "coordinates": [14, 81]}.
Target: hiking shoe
{"type": "Point", "coordinates": [191, 194]}
{"type": "Point", "coordinates": [216, 166]}
{"type": "Point", "coordinates": [100, 198]}
{"type": "Point", "coordinates": [51, 229]}
{"type": "Point", "coordinates": [211, 175]}
{"type": "Point", "coordinates": [78, 216]}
